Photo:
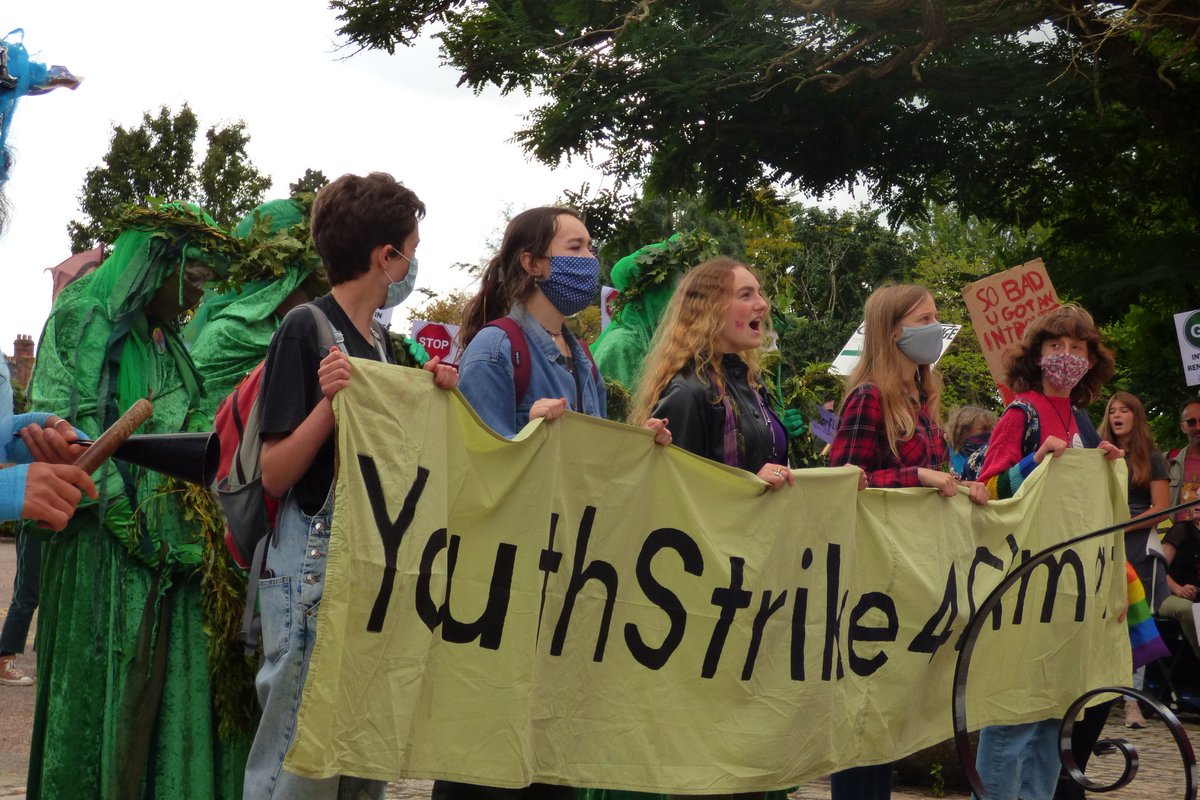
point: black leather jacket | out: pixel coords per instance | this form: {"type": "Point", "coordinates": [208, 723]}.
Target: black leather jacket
{"type": "Point", "coordinates": [696, 416]}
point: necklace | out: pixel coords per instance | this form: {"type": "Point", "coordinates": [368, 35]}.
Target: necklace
{"type": "Point", "coordinates": [1066, 421]}
{"type": "Point", "coordinates": [553, 334]}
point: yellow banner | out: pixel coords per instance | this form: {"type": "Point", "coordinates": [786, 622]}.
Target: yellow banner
{"type": "Point", "coordinates": [580, 606]}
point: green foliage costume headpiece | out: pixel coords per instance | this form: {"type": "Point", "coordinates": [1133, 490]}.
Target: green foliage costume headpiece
{"type": "Point", "coordinates": [231, 330]}
{"type": "Point", "coordinates": [645, 281]}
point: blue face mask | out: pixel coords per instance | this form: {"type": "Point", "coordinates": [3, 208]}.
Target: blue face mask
{"type": "Point", "coordinates": [573, 283]}
{"type": "Point", "coordinates": [398, 291]}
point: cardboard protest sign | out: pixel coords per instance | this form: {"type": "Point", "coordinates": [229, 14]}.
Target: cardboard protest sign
{"type": "Point", "coordinates": [851, 353]}
{"type": "Point", "coordinates": [1187, 327]}
{"type": "Point", "coordinates": [1002, 306]}
{"type": "Point", "coordinates": [581, 606]}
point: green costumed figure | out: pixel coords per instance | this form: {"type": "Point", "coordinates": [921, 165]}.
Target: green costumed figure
{"type": "Point", "coordinates": [230, 332]}
{"type": "Point", "coordinates": [124, 696]}
{"type": "Point", "coordinates": [645, 280]}
{"type": "Point", "coordinates": [275, 270]}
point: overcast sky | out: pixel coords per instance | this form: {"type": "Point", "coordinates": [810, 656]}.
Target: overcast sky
{"type": "Point", "coordinates": [275, 65]}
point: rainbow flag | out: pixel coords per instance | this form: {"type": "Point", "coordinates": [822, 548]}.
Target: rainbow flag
{"type": "Point", "coordinates": [1143, 633]}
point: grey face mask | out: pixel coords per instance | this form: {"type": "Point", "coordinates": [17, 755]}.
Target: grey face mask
{"type": "Point", "coordinates": [922, 343]}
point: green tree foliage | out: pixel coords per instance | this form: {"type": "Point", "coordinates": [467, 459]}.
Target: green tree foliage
{"type": "Point", "coordinates": [447, 309]}
{"type": "Point", "coordinates": [230, 185]}
{"type": "Point", "coordinates": [1080, 115]}
{"type": "Point", "coordinates": [977, 95]}
{"type": "Point", "coordinates": [309, 182]}
{"type": "Point", "coordinates": [819, 267]}
{"type": "Point", "coordinates": [157, 159]}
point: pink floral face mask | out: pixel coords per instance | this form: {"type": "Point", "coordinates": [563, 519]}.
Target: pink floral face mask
{"type": "Point", "coordinates": [1064, 370]}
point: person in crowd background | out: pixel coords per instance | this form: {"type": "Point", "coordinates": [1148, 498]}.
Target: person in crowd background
{"type": "Point", "coordinates": [1125, 425]}
{"type": "Point", "coordinates": [967, 429]}
{"type": "Point", "coordinates": [1181, 545]}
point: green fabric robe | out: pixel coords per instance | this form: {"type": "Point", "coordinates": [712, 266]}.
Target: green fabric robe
{"type": "Point", "coordinates": [124, 700]}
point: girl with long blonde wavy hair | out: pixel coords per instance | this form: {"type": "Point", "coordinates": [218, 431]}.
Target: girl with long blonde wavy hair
{"type": "Point", "coordinates": [702, 374]}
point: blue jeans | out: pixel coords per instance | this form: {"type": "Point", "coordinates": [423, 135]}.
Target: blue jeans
{"type": "Point", "coordinates": [26, 585]}
{"type": "Point", "coordinates": [1019, 762]}
{"type": "Point", "coordinates": [289, 597]}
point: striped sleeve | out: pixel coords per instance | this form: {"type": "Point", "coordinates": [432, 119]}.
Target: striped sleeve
{"type": "Point", "coordinates": [1005, 484]}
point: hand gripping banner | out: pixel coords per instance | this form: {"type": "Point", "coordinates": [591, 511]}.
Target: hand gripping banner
{"type": "Point", "coordinates": [580, 606]}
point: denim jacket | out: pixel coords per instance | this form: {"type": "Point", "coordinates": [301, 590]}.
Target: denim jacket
{"type": "Point", "coordinates": [485, 375]}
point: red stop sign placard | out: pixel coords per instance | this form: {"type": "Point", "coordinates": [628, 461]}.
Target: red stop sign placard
{"type": "Point", "coordinates": [435, 339]}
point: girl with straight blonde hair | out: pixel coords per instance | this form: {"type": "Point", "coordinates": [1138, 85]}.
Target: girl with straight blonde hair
{"type": "Point", "coordinates": [888, 427]}
{"type": "Point", "coordinates": [888, 422]}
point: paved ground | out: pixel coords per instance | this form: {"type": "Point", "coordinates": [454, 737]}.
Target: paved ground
{"type": "Point", "coordinates": [1160, 774]}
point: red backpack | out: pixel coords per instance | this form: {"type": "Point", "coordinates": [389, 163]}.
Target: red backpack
{"type": "Point", "coordinates": [249, 510]}
{"type": "Point", "coordinates": [236, 412]}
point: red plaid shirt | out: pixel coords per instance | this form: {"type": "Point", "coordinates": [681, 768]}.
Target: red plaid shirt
{"type": "Point", "coordinates": [861, 440]}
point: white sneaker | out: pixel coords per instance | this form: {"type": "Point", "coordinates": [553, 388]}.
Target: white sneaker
{"type": "Point", "coordinates": [11, 674]}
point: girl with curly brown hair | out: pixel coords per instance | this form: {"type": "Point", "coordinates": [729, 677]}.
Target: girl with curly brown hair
{"type": "Point", "coordinates": [1059, 368]}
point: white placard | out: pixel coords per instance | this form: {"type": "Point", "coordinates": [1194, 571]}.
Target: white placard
{"type": "Point", "coordinates": [1187, 327]}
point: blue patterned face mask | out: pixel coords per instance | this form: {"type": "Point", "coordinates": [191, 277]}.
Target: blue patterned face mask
{"type": "Point", "coordinates": [572, 284]}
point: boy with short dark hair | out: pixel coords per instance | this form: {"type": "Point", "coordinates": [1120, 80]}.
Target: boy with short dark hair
{"type": "Point", "coordinates": [365, 230]}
